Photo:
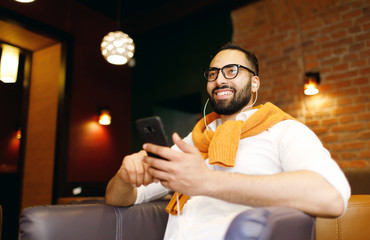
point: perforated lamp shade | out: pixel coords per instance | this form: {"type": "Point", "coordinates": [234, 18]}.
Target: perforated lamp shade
{"type": "Point", "coordinates": [117, 48]}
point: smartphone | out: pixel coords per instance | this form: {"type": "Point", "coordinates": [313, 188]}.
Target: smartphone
{"type": "Point", "coordinates": [151, 130]}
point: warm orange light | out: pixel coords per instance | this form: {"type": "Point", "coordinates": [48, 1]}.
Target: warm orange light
{"type": "Point", "coordinates": [310, 88]}
{"type": "Point", "coordinates": [9, 64]}
{"type": "Point", "coordinates": [19, 134]}
{"type": "Point", "coordinates": [105, 117]}
{"type": "Point", "coordinates": [311, 81]}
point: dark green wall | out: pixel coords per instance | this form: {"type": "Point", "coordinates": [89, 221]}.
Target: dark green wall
{"type": "Point", "coordinates": [168, 67]}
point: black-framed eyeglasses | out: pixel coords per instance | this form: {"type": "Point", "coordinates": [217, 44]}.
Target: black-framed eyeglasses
{"type": "Point", "coordinates": [230, 71]}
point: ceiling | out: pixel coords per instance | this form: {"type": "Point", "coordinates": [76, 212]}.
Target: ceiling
{"type": "Point", "coordinates": [141, 16]}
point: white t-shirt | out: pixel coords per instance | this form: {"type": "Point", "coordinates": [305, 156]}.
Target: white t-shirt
{"type": "Point", "coordinates": [287, 146]}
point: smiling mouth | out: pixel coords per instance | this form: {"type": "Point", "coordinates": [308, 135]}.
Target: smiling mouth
{"type": "Point", "coordinates": [223, 93]}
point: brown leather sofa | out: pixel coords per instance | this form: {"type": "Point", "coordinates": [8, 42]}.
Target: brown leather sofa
{"type": "Point", "coordinates": [96, 221]}
{"type": "Point", "coordinates": [355, 223]}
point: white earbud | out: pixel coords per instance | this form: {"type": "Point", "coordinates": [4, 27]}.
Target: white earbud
{"type": "Point", "coordinates": [255, 85]}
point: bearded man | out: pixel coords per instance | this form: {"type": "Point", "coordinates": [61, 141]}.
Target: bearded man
{"type": "Point", "coordinates": [236, 158]}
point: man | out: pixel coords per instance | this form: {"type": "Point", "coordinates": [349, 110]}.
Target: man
{"type": "Point", "coordinates": [237, 158]}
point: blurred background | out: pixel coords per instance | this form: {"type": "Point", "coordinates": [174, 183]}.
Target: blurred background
{"type": "Point", "coordinates": [52, 147]}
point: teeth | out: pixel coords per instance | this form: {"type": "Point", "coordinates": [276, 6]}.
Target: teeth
{"type": "Point", "coordinates": [223, 93]}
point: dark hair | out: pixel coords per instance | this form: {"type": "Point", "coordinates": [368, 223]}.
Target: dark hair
{"type": "Point", "coordinates": [250, 56]}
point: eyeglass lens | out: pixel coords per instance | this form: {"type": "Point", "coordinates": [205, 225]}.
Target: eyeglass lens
{"type": "Point", "coordinates": [229, 72]}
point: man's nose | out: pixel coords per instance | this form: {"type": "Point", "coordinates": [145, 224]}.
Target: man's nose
{"type": "Point", "coordinates": [220, 80]}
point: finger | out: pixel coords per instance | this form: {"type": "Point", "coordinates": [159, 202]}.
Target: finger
{"type": "Point", "coordinates": [157, 163]}
{"type": "Point", "coordinates": [139, 169]}
{"type": "Point", "coordinates": [161, 151]}
{"type": "Point", "coordinates": [147, 177]}
{"type": "Point", "coordinates": [157, 174]}
{"type": "Point", "coordinates": [129, 168]}
{"type": "Point", "coordinates": [186, 148]}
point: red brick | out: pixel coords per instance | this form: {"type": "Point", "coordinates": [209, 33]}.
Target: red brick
{"type": "Point", "coordinates": [346, 119]}
{"type": "Point", "coordinates": [332, 28]}
{"type": "Point", "coordinates": [361, 81]}
{"type": "Point", "coordinates": [353, 56]}
{"type": "Point", "coordinates": [354, 29]}
{"type": "Point", "coordinates": [359, 63]}
{"type": "Point", "coordinates": [358, 46]}
{"type": "Point", "coordinates": [352, 163]}
{"type": "Point", "coordinates": [365, 71]}
{"type": "Point", "coordinates": [340, 67]}
{"type": "Point", "coordinates": [340, 34]}
{"type": "Point", "coordinates": [365, 89]}
{"type": "Point", "coordinates": [340, 92]}
{"type": "Point", "coordinates": [364, 135]}
{"type": "Point", "coordinates": [348, 127]}
{"type": "Point", "coordinates": [366, 26]}
{"type": "Point", "coordinates": [365, 154]}
{"type": "Point", "coordinates": [364, 54]}
{"type": "Point", "coordinates": [330, 138]}
{"type": "Point", "coordinates": [311, 24]}
{"type": "Point", "coordinates": [361, 99]}
{"type": "Point", "coordinates": [349, 146]}
{"type": "Point", "coordinates": [363, 116]}
{"type": "Point", "coordinates": [311, 65]}
{"type": "Point", "coordinates": [330, 61]}
{"type": "Point", "coordinates": [352, 14]}
{"type": "Point", "coordinates": [319, 130]}
{"type": "Point", "coordinates": [312, 123]}
{"type": "Point", "coordinates": [344, 101]}
{"type": "Point", "coordinates": [348, 155]}
{"type": "Point", "coordinates": [344, 84]}
{"type": "Point", "coordinates": [329, 121]}
{"type": "Point", "coordinates": [362, 19]}
{"type": "Point", "coordinates": [330, 18]}
{"type": "Point", "coordinates": [340, 50]}
{"type": "Point", "coordinates": [339, 42]}
{"type": "Point", "coordinates": [323, 54]}
{"type": "Point", "coordinates": [345, 75]}
{"type": "Point", "coordinates": [351, 109]}
{"type": "Point", "coordinates": [326, 87]}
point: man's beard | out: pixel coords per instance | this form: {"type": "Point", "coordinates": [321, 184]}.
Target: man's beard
{"type": "Point", "coordinates": [227, 107]}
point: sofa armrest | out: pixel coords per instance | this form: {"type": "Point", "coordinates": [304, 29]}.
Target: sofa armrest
{"type": "Point", "coordinates": [354, 224]}
{"type": "Point", "coordinates": [273, 223]}
{"type": "Point", "coordinates": [93, 222]}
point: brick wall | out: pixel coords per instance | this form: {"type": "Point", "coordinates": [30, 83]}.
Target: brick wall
{"type": "Point", "coordinates": [292, 37]}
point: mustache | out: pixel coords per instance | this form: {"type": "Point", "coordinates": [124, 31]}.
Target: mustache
{"type": "Point", "coordinates": [223, 87]}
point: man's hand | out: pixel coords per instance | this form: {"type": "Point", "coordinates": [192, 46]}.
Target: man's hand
{"type": "Point", "coordinates": [181, 171]}
{"type": "Point", "coordinates": [121, 189]}
{"type": "Point", "coordinates": [134, 171]}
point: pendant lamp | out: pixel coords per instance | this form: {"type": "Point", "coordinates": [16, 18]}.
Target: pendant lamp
{"type": "Point", "coordinates": [117, 47]}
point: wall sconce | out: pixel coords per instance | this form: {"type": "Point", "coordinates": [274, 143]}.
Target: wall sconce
{"type": "Point", "coordinates": [19, 134]}
{"type": "Point", "coordinates": [9, 64]}
{"type": "Point", "coordinates": [311, 80]}
{"type": "Point", "coordinates": [104, 117]}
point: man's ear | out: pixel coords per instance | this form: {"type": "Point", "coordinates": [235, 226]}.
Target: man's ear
{"type": "Point", "coordinates": [255, 83]}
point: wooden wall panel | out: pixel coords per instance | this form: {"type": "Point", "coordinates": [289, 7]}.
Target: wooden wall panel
{"type": "Point", "coordinates": [41, 128]}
